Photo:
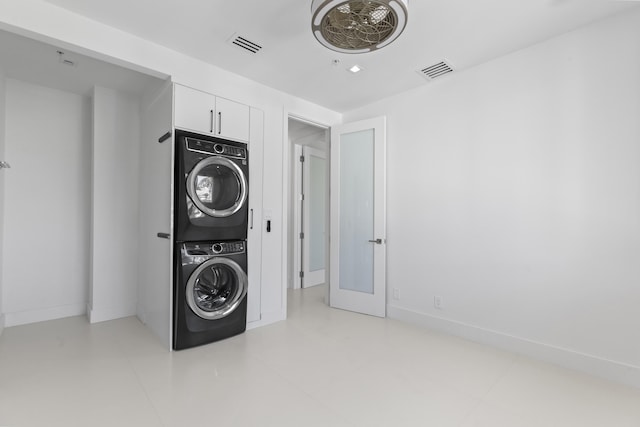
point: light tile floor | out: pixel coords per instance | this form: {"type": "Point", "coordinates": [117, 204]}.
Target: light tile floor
{"type": "Point", "coordinates": [322, 367]}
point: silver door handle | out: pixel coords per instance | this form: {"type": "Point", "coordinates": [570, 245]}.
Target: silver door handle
{"type": "Point", "coordinates": [211, 121]}
{"type": "Point", "coordinates": [377, 241]}
{"type": "Point", "coordinates": [219, 122]}
{"type": "Point", "coordinates": [251, 223]}
{"type": "Point", "coordinates": [5, 165]}
{"type": "Point", "coordinates": [164, 235]}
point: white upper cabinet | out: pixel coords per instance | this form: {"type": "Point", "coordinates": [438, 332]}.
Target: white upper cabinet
{"type": "Point", "coordinates": [194, 110]}
{"type": "Point", "coordinates": [207, 114]}
{"type": "Point", "coordinates": [232, 120]}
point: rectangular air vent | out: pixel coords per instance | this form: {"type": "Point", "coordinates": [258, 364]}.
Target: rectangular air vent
{"type": "Point", "coordinates": [244, 43]}
{"type": "Point", "coordinates": [436, 70]}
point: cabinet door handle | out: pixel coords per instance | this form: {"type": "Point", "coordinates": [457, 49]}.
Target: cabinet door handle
{"type": "Point", "coordinates": [219, 122]}
{"type": "Point", "coordinates": [211, 121]}
{"type": "Point", "coordinates": [164, 137]}
{"type": "Point", "coordinates": [251, 221]}
{"type": "Point", "coordinates": [164, 235]}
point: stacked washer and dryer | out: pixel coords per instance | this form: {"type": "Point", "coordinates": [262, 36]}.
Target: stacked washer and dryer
{"type": "Point", "coordinates": [210, 226]}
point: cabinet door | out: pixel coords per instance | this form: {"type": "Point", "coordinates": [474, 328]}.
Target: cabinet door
{"type": "Point", "coordinates": [3, 171]}
{"type": "Point", "coordinates": [232, 120]}
{"type": "Point", "coordinates": [254, 235]}
{"type": "Point", "coordinates": [194, 110]}
{"type": "Point", "coordinates": [155, 270]}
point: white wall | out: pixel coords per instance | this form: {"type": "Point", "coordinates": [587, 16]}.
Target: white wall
{"type": "Point", "coordinates": [2, 174]}
{"type": "Point", "coordinates": [47, 204]}
{"type": "Point", "coordinates": [115, 205]}
{"type": "Point", "coordinates": [513, 194]}
{"type": "Point", "coordinates": [76, 33]}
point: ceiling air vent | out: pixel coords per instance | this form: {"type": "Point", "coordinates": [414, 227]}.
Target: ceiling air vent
{"type": "Point", "coordinates": [245, 43]}
{"type": "Point", "coordinates": [436, 70]}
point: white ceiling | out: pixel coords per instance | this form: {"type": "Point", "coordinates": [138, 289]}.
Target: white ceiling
{"type": "Point", "coordinates": [40, 63]}
{"type": "Point", "coordinates": [465, 33]}
{"type": "Point", "coordinates": [307, 134]}
{"type": "Point", "coordinates": [299, 129]}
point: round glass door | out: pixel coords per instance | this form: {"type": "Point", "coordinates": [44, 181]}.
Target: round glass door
{"type": "Point", "coordinates": [217, 187]}
{"type": "Point", "coordinates": [216, 288]}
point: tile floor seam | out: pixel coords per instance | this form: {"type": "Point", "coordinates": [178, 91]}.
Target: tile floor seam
{"type": "Point", "coordinates": [470, 412]}
{"type": "Point", "coordinates": [482, 400]}
{"type": "Point", "coordinates": [322, 404]}
{"type": "Point", "coordinates": [145, 391]}
{"type": "Point", "coordinates": [502, 375]}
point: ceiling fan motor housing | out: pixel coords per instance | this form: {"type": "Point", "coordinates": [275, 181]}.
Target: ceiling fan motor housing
{"type": "Point", "coordinates": [358, 26]}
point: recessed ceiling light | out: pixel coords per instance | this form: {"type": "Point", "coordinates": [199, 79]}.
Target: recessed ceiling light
{"type": "Point", "coordinates": [355, 69]}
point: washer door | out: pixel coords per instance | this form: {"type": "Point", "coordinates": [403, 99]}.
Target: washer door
{"type": "Point", "coordinates": [216, 288]}
{"type": "Point", "coordinates": [217, 186]}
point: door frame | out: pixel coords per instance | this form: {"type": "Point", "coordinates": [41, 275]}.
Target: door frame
{"type": "Point", "coordinates": [289, 218]}
{"type": "Point", "coordinates": [297, 216]}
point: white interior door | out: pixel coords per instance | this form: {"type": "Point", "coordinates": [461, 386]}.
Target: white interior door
{"type": "Point", "coordinates": [357, 230]}
{"type": "Point", "coordinates": [313, 217]}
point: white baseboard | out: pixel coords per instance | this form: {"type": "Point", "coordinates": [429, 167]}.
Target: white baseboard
{"type": "Point", "coordinates": [590, 364]}
{"type": "Point", "coordinates": [142, 316]}
{"type": "Point", "coordinates": [88, 312]}
{"type": "Point", "coordinates": [103, 314]}
{"type": "Point", "coordinates": [267, 319]}
{"type": "Point", "coordinates": [41, 315]}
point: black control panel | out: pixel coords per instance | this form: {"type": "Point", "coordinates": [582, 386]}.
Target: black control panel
{"type": "Point", "coordinates": [209, 147]}
{"type": "Point", "coordinates": [228, 247]}
{"type": "Point", "coordinates": [212, 249]}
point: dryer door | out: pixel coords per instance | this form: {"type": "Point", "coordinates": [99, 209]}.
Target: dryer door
{"type": "Point", "coordinates": [216, 288]}
{"type": "Point", "coordinates": [217, 187]}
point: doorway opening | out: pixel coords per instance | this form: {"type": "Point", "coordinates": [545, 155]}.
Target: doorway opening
{"type": "Point", "coordinates": [308, 207]}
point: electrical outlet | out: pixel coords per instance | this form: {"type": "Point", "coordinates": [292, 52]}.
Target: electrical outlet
{"type": "Point", "coordinates": [438, 302]}
{"type": "Point", "coordinates": [396, 293]}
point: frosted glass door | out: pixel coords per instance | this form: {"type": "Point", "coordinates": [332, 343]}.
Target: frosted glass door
{"type": "Point", "coordinates": [358, 217]}
{"type": "Point", "coordinates": [356, 211]}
